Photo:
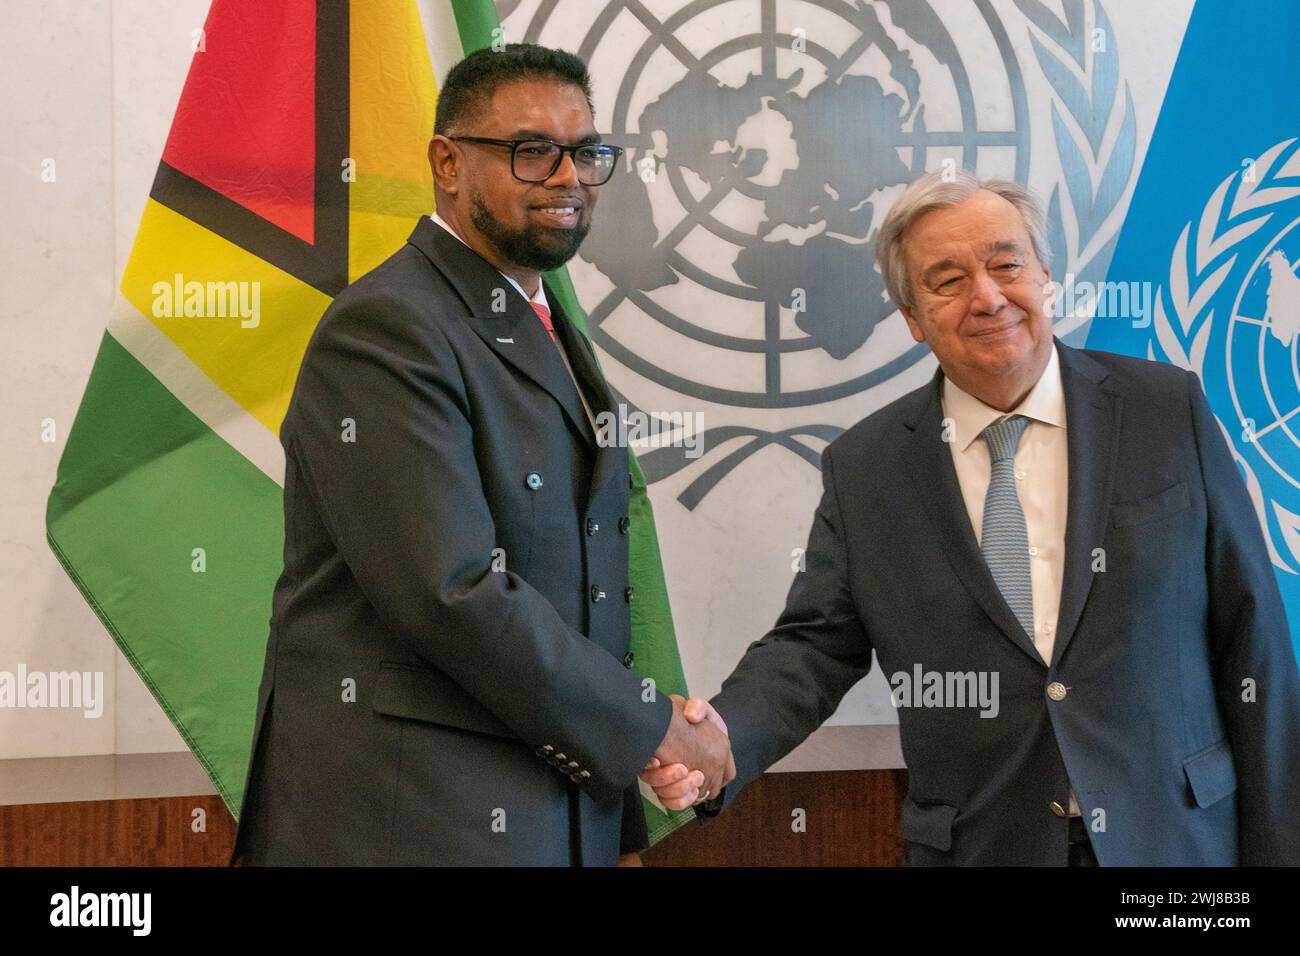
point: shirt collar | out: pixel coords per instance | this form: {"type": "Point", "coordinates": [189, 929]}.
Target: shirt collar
{"type": "Point", "coordinates": [539, 299]}
{"type": "Point", "coordinates": [1045, 403]}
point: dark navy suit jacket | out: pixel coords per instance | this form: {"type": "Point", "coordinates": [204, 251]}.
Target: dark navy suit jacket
{"type": "Point", "coordinates": [1179, 725]}
{"type": "Point", "coordinates": [464, 563]}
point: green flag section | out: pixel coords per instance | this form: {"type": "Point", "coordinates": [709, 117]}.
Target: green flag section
{"type": "Point", "coordinates": [172, 536]}
{"type": "Point", "coordinates": [295, 162]}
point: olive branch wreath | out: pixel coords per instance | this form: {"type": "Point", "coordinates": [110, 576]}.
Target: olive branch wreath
{"type": "Point", "coordinates": [1197, 271]}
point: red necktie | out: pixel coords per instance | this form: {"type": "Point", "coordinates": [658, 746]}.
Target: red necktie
{"type": "Point", "coordinates": [544, 314]}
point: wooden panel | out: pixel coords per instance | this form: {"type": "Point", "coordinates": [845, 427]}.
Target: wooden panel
{"type": "Point", "coordinates": [851, 819]}
{"type": "Point", "coordinates": [148, 832]}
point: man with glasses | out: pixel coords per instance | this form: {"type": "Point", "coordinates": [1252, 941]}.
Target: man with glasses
{"type": "Point", "coordinates": [448, 678]}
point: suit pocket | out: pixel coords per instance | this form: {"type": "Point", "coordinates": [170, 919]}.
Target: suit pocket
{"type": "Point", "coordinates": [423, 693]}
{"type": "Point", "coordinates": [1163, 503]}
{"type": "Point", "coordinates": [928, 823]}
{"type": "Point", "coordinates": [1211, 774]}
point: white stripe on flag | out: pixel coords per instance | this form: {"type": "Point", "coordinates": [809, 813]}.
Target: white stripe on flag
{"type": "Point", "coordinates": [440, 35]}
{"type": "Point", "coordinates": [193, 389]}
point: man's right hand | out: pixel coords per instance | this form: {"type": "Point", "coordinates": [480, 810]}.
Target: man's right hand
{"type": "Point", "coordinates": [694, 760]}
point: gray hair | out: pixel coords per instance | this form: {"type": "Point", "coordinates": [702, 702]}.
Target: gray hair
{"type": "Point", "coordinates": [939, 190]}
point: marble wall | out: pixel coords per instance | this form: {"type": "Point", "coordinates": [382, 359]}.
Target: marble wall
{"type": "Point", "coordinates": [91, 86]}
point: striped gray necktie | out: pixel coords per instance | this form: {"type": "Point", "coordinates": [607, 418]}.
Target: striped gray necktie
{"type": "Point", "coordinates": [1005, 538]}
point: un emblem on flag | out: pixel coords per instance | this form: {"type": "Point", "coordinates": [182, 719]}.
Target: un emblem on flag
{"type": "Point", "coordinates": [1231, 313]}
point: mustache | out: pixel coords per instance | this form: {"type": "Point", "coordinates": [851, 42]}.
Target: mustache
{"type": "Point", "coordinates": [576, 202]}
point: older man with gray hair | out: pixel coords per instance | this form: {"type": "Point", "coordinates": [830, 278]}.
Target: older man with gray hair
{"type": "Point", "coordinates": [1065, 526]}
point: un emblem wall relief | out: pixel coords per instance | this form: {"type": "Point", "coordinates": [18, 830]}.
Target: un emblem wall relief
{"type": "Point", "coordinates": [729, 276]}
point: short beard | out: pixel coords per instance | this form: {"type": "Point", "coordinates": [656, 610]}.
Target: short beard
{"type": "Point", "coordinates": [533, 247]}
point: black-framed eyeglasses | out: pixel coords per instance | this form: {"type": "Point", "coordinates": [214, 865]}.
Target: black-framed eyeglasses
{"type": "Point", "coordinates": [536, 160]}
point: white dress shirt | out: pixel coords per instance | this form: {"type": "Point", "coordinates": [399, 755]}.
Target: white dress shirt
{"type": "Point", "coordinates": [1041, 468]}
{"type": "Point", "coordinates": [1042, 483]}
{"type": "Point", "coordinates": [539, 299]}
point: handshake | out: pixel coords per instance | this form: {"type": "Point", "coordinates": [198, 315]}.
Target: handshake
{"type": "Point", "coordinates": [693, 763]}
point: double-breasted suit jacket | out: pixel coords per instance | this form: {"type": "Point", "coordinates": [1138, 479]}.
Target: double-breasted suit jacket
{"type": "Point", "coordinates": [448, 677]}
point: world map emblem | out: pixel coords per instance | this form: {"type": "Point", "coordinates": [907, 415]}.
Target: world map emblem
{"type": "Point", "coordinates": [732, 262]}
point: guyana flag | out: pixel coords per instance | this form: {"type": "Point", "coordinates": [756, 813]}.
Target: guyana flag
{"type": "Point", "coordinates": [295, 163]}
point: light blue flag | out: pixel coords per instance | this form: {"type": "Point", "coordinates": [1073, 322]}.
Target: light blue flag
{"type": "Point", "coordinates": [1214, 226]}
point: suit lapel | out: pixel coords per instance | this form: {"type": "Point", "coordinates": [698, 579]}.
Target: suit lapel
{"type": "Point", "coordinates": [502, 318]}
{"type": "Point", "coordinates": [929, 462]}
{"type": "Point", "coordinates": [1092, 419]}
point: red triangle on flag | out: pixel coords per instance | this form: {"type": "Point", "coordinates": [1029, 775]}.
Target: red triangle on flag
{"type": "Point", "coordinates": [245, 126]}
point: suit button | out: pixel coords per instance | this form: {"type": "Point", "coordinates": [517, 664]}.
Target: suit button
{"type": "Point", "coordinates": [628, 658]}
{"type": "Point", "coordinates": [596, 594]}
{"type": "Point", "coordinates": [560, 758]}
{"type": "Point", "coordinates": [592, 527]}
{"type": "Point", "coordinates": [629, 594]}
{"type": "Point", "coordinates": [1056, 690]}
{"type": "Point", "coordinates": [573, 766]}
{"type": "Point", "coordinates": [623, 525]}
{"type": "Point", "coordinates": [1057, 808]}
{"type": "Point", "coordinates": [546, 749]}
{"type": "Point", "coordinates": [583, 774]}
{"type": "Point", "coordinates": [533, 481]}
